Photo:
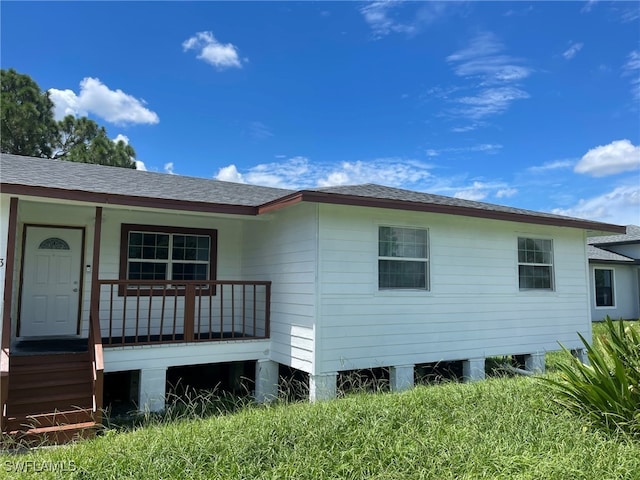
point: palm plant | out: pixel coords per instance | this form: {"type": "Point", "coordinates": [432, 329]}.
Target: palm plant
{"type": "Point", "coordinates": [607, 391]}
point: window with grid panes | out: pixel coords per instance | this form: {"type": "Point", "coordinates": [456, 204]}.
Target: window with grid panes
{"type": "Point", "coordinates": [167, 253]}
{"type": "Point", "coordinates": [403, 258]}
{"type": "Point", "coordinates": [535, 264]}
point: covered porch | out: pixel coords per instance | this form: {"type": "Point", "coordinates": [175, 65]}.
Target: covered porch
{"type": "Point", "coordinates": [64, 294]}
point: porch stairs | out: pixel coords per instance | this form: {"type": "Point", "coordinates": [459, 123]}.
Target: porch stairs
{"type": "Point", "coordinates": [50, 398]}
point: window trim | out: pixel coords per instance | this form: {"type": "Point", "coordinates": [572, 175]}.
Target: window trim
{"type": "Point", "coordinates": [613, 289]}
{"type": "Point", "coordinates": [126, 228]}
{"type": "Point", "coordinates": [426, 261]}
{"type": "Point", "coordinates": [551, 265]}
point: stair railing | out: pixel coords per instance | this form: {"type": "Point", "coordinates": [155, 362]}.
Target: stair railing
{"type": "Point", "coordinates": [97, 362]}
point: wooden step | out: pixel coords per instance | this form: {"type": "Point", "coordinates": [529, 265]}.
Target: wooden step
{"type": "Point", "coordinates": [37, 406]}
{"type": "Point", "coordinates": [55, 435]}
{"type": "Point", "coordinates": [30, 381]}
{"type": "Point", "coordinates": [56, 418]}
{"type": "Point", "coordinates": [50, 398]}
{"type": "Point", "coordinates": [48, 363]}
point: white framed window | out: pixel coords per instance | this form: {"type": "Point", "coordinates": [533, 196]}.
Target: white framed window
{"type": "Point", "coordinates": [151, 252]}
{"type": "Point", "coordinates": [403, 258]}
{"type": "Point", "coordinates": [168, 256]}
{"type": "Point", "coordinates": [535, 263]}
{"type": "Point", "coordinates": [604, 285]}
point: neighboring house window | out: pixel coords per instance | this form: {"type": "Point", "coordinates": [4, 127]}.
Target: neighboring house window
{"type": "Point", "coordinates": [535, 264]}
{"type": "Point", "coordinates": [151, 252]}
{"type": "Point", "coordinates": [604, 287]}
{"type": "Point", "coordinates": [403, 258]}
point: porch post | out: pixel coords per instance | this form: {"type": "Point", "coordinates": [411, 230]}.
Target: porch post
{"type": "Point", "coordinates": [323, 386]}
{"type": "Point", "coordinates": [5, 331]}
{"type": "Point", "coordinates": [401, 377]}
{"type": "Point", "coordinates": [153, 382]}
{"type": "Point", "coordinates": [95, 267]}
{"type": "Point", "coordinates": [266, 381]}
{"type": "Point", "coordinates": [8, 269]}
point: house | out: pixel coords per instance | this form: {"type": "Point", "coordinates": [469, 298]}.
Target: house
{"type": "Point", "coordinates": [113, 270]}
{"type": "Point", "coordinates": [614, 275]}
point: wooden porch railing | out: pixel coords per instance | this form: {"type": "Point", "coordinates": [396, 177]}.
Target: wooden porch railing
{"type": "Point", "coordinates": [135, 312]}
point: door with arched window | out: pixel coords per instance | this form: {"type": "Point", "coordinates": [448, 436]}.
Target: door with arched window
{"type": "Point", "coordinates": [51, 281]}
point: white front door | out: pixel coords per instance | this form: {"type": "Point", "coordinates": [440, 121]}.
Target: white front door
{"type": "Point", "coordinates": [50, 281]}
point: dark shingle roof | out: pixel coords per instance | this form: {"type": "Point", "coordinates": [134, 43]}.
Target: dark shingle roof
{"type": "Point", "coordinates": [598, 254]}
{"type": "Point", "coordinates": [632, 236]}
{"type": "Point", "coordinates": [113, 185]}
{"type": "Point", "coordinates": [370, 190]}
{"type": "Point", "coordinates": [64, 175]}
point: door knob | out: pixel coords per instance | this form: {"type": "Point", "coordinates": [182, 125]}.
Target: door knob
{"type": "Point", "coordinates": [75, 289]}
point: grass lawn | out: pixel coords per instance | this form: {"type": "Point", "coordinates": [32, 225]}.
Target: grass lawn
{"type": "Point", "coordinates": [498, 428]}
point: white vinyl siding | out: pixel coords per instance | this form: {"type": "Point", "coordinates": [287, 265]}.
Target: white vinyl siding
{"type": "Point", "coordinates": [474, 307]}
{"type": "Point", "coordinates": [281, 247]}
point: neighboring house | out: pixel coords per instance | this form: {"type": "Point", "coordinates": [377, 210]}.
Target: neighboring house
{"type": "Point", "coordinates": [614, 264]}
{"type": "Point", "coordinates": [154, 271]}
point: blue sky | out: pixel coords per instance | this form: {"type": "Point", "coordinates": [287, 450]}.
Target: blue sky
{"type": "Point", "coordinates": [534, 105]}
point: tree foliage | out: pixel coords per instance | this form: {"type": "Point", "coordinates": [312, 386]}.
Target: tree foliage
{"type": "Point", "coordinates": [29, 128]}
{"type": "Point", "coordinates": [26, 121]}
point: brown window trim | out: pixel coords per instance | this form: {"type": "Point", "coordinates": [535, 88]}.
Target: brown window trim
{"type": "Point", "coordinates": [124, 255]}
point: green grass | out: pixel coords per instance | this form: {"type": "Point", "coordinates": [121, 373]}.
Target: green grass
{"type": "Point", "coordinates": [498, 428]}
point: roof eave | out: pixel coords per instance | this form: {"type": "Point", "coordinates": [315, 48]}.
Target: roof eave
{"type": "Point", "coordinates": [354, 200]}
{"type": "Point", "coordinates": [126, 200]}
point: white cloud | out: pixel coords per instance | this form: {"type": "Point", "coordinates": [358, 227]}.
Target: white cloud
{"type": "Point", "coordinates": [494, 76]}
{"type": "Point", "coordinates": [491, 101]}
{"type": "Point", "coordinates": [381, 16]}
{"type": "Point", "coordinates": [213, 52]}
{"type": "Point", "coordinates": [632, 68]}
{"type": "Point", "coordinates": [298, 173]}
{"type": "Point", "coordinates": [482, 147]}
{"type": "Point", "coordinates": [616, 157]}
{"type": "Point", "coordinates": [620, 206]}
{"type": "Point", "coordinates": [259, 131]}
{"type": "Point", "coordinates": [506, 192]}
{"type": "Point", "coordinates": [468, 128]}
{"type": "Point", "coordinates": [378, 16]}
{"type": "Point", "coordinates": [168, 168]}
{"type": "Point", "coordinates": [555, 165]}
{"type": "Point", "coordinates": [478, 191]}
{"type": "Point", "coordinates": [229, 174]}
{"type": "Point", "coordinates": [588, 6]}
{"type": "Point", "coordinates": [630, 14]}
{"type": "Point", "coordinates": [140, 165]}
{"type": "Point", "coordinates": [572, 51]}
{"type": "Point", "coordinates": [114, 106]}
{"type": "Point", "coordinates": [122, 137]}
{"type": "Point", "coordinates": [393, 172]}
